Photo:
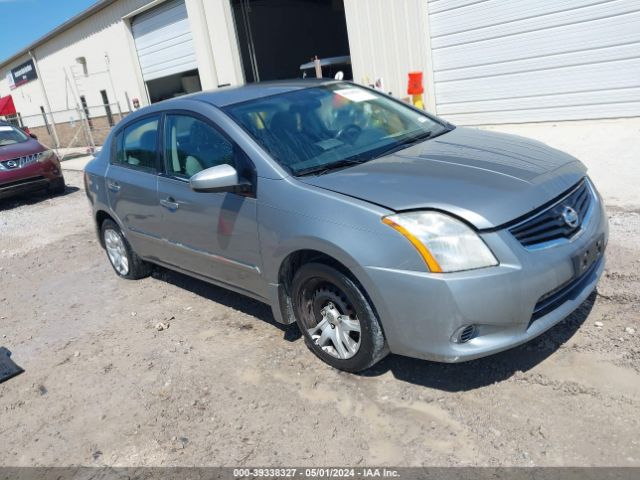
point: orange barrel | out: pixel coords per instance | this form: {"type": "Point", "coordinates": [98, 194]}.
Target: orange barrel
{"type": "Point", "coordinates": [415, 83]}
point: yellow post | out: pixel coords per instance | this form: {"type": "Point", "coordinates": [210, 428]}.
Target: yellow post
{"type": "Point", "coordinates": [417, 101]}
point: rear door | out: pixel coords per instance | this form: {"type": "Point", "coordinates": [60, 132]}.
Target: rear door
{"type": "Point", "coordinates": [214, 235]}
{"type": "Point", "coordinates": [132, 182]}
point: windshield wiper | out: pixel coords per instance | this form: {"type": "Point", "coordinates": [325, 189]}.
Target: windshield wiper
{"type": "Point", "coordinates": [322, 169]}
{"type": "Point", "coordinates": [406, 143]}
{"type": "Point", "coordinates": [364, 157]}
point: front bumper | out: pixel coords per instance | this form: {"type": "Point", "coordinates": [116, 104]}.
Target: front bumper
{"type": "Point", "coordinates": [32, 177]}
{"type": "Point", "coordinates": [421, 311]}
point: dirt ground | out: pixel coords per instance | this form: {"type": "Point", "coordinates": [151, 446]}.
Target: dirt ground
{"type": "Point", "coordinates": [225, 385]}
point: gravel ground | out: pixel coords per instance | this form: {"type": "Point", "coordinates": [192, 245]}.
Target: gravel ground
{"type": "Point", "coordinates": [225, 385]}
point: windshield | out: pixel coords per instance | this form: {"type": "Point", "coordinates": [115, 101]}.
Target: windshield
{"type": "Point", "coordinates": [10, 135]}
{"type": "Point", "coordinates": [329, 126]}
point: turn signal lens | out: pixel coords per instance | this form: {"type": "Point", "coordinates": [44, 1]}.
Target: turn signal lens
{"type": "Point", "coordinates": [431, 262]}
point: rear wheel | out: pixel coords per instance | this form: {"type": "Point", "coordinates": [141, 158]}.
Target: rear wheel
{"type": "Point", "coordinates": [336, 319]}
{"type": "Point", "coordinates": [123, 259]}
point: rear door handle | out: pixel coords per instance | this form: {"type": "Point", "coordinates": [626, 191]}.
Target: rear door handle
{"type": "Point", "coordinates": [113, 186]}
{"type": "Point", "coordinates": [170, 203]}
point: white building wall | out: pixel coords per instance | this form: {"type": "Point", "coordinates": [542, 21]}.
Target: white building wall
{"type": "Point", "coordinates": [388, 39]}
{"type": "Point", "coordinates": [224, 43]}
{"type": "Point", "coordinates": [107, 32]}
{"type": "Point", "coordinates": [103, 33]}
{"type": "Point", "coordinates": [202, 44]}
{"type": "Point", "coordinates": [28, 95]}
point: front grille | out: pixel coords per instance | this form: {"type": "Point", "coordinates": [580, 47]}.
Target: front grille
{"type": "Point", "coordinates": [20, 161]}
{"type": "Point", "coordinates": [562, 219]}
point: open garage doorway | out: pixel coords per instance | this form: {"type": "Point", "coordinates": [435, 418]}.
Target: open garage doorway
{"type": "Point", "coordinates": [277, 36]}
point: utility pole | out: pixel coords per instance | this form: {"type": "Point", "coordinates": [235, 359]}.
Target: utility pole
{"type": "Point", "coordinates": [46, 100]}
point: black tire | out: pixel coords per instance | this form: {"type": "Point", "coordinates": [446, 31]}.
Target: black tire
{"type": "Point", "coordinates": [312, 284]}
{"type": "Point", "coordinates": [57, 186]}
{"type": "Point", "coordinates": [137, 268]}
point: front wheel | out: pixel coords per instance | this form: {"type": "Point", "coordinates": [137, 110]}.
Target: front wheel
{"type": "Point", "coordinates": [123, 259]}
{"type": "Point", "coordinates": [57, 186]}
{"type": "Point", "coordinates": [336, 319]}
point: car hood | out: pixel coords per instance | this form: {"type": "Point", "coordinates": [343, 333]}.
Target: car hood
{"type": "Point", "coordinates": [486, 178]}
{"type": "Point", "coordinates": [31, 146]}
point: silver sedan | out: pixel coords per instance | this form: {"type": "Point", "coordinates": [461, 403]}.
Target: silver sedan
{"type": "Point", "coordinates": [375, 226]}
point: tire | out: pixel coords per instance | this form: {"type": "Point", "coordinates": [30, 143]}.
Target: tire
{"type": "Point", "coordinates": [121, 256]}
{"type": "Point", "coordinates": [57, 186]}
{"type": "Point", "coordinates": [318, 291]}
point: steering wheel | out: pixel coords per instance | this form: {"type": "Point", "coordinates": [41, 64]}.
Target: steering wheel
{"type": "Point", "coordinates": [349, 133]}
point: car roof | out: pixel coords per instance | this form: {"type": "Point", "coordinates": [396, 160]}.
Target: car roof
{"type": "Point", "coordinates": [225, 96]}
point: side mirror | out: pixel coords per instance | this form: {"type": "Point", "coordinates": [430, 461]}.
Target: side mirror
{"type": "Point", "coordinates": [221, 178]}
{"type": "Point", "coordinates": [33, 135]}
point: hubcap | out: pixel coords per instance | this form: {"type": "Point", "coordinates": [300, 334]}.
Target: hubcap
{"type": "Point", "coordinates": [116, 251]}
{"type": "Point", "coordinates": [337, 332]}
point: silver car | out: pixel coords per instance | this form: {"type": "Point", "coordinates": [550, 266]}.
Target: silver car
{"type": "Point", "coordinates": [376, 227]}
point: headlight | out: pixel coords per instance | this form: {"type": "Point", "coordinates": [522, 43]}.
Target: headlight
{"type": "Point", "coordinates": [46, 155]}
{"type": "Point", "coordinates": [445, 244]}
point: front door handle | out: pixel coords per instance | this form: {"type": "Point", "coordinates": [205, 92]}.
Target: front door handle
{"type": "Point", "coordinates": [170, 203]}
{"type": "Point", "coordinates": [113, 186]}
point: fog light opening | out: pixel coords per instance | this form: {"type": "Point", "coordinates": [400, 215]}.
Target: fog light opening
{"type": "Point", "coordinates": [464, 334]}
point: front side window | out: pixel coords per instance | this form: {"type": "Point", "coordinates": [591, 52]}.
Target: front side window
{"type": "Point", "coordinates": [10, 135]}
{"type": "Point", "coordinates": [192, 145]}
{"type": "Point", "coordinates": [137, 145]}
{"type": "Point", "coordinates": [315, 128]}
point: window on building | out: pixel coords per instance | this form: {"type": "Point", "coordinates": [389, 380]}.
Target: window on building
{"type": "Point", "coordinates": [107, 107]}
{"type": "Point", "coordinates": [136, 146]}
{"type": "Point", "coordinates": [192, 145]}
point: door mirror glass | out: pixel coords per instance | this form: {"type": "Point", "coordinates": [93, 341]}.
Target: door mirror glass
{"type": "Point", "coordinates": [221, 178]}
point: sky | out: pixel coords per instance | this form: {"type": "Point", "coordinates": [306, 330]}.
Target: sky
{"type": "Point", "coordinates": [24, 21]}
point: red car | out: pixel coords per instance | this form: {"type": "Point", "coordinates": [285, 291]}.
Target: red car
{"type": "Point", "coordinates": [26, 165]}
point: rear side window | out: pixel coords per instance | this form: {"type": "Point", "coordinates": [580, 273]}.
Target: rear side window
{"type": "Point", "coordinates": [192, 145]}
{"type": "Point", "coordinates": [137, 145]}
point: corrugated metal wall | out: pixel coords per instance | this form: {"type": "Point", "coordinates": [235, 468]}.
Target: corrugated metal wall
{"type": "Point", "coordinates": [387, 39]}
{"type": "Point", "coordinates": [504, 61]}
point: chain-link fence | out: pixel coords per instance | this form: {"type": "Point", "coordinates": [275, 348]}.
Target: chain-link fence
{"type": "Point", "coordinates": [79, 130]}
{"type": "Point", "coordinates": [76, 131]}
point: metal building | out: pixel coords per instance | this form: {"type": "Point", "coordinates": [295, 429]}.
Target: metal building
{"type": "Point", "coordinates": [484, 61]}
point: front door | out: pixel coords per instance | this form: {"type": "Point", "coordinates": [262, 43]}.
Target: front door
{"type": "Point", "coordinates": [212, 234]}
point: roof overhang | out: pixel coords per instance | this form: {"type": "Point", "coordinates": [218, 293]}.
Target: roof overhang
{"type": "Point", "coordinates": [96, 7]}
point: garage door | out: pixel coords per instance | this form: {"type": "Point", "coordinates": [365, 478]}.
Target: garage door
{"type": "Point", "coordinates": [504, 61]}
{"type": "Point", "coordinates": [163, 40]}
